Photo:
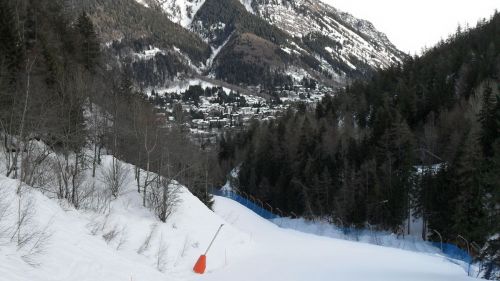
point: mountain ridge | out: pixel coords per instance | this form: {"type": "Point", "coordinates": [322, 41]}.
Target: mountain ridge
{"type": "Point", "coordinates": [344, 47]}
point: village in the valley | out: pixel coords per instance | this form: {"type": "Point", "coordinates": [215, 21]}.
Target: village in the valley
{"type": "Point", "coordinates": [206, 110]}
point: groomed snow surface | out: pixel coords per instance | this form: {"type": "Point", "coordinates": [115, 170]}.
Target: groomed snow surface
{"type": "Point", "coordinates": [248, 247]}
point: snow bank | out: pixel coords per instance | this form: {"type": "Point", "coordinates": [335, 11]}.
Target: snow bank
{"type": "Point", "coordinates": [79, 246]}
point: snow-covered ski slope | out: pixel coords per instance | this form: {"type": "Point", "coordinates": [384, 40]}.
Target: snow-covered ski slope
{"type": "Point", "coordinates": [79, 246]}
{"type": "Point", "coordinates": [284, 254]}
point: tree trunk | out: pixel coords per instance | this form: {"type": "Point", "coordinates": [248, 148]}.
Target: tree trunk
{"type": "Point", "coordinates": [73, 183]}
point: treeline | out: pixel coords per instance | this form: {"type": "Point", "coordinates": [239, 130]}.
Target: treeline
{"type": "Point", "coordinates": [57, 87]}
{"type": "Point", "coordinates": [420, 139]}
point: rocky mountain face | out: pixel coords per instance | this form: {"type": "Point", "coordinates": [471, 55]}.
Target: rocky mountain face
{"type": "Point", "coordinates": [355, 39]}
{"type": "Point", "coordinates": [249, 42]}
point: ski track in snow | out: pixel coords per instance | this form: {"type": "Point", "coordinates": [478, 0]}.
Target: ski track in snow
{"type": "Point", "coordinates": [283, 254]}
{"type": "Point", "coordinates": [249, 248]}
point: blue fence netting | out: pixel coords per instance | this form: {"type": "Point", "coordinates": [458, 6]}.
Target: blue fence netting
{"type": "Point", "coordinates": [449, 250]}
{"type": "Point", "coordinates": [454, 252]}
{"type": "Point", "coordinates": [259, 210]}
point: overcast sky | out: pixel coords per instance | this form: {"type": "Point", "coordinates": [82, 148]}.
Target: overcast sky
{"type": "Point", "coordinates": [411, 25]}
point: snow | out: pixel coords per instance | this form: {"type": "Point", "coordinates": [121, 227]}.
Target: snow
{"type": "Point", "coordinates": [180, 86]}
{"type": "Point", "coordinates": [216, 51]}
{"type": "Point", "coordinates": [248, 5]}
{"type": "Point", "coordinates": [76, 249]}
{"type": "Point", "coordinates": [297, 74]}
{"type": "Point", "coordinates": [179, 11]}
{"type": "Point", "coordinates": [248, 247]}
{"type": "Point", "coordinates": [142, 2]}
{"type": "Point", "coordinates": [284, 254]}
{"type": "Point", "coordinates": [433, 169]}
{"type": "Point", "coordinates": [148, 54]}
{"type": "Point", "coordinates": [386, 239]}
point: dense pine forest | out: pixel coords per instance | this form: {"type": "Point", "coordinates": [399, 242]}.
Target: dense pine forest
{"type": "Point", "coordinates": [421, 139]}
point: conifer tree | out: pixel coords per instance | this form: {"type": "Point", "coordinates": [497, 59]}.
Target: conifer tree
{"type": "Point", "coordinates": [487, 117]}
{"type": "Point", "coordinates": [470, 215]}
{"type": "Point", "coordinates": [88, 42]}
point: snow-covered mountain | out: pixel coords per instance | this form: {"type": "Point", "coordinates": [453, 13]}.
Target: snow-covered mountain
{"type": "Point", "coordinates": [354, 38]}
{"type": "Point", "coordinates": [243, 42]}
{"type": "Point", "coordinates": [279, 37]}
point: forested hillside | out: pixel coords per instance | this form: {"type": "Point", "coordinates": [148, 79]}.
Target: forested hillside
{"type": "Point", "coordinates": [420, 138]}
{"type": "Point", "coordinates": [56, 86]}
{"type": "Point", "coordinates": [130, 30]}
{"type": "Point", "coordinates": [129, 22]}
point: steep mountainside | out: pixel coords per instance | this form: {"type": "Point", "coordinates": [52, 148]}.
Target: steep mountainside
{"type": "Point", "coordinates": [354, 39]}
{"type": "Point", "coordinates": [305, 37]}
{"type": "Point", "coordinates": [144, 41]}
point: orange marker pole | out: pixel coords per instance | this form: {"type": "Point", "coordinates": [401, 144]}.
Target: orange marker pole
{"type": "Point", "coordinates": [201, 264]}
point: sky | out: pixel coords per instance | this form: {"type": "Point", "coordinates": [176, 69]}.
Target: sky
{"type": "Point", "coordinates": [413, 25]}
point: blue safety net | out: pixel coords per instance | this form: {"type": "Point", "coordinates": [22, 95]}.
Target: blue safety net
{"type": "Point", "coordinates": [450, 250]}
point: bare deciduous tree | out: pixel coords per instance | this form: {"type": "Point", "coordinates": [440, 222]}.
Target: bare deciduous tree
{"type": "Point", "coordinates": [114, 176]}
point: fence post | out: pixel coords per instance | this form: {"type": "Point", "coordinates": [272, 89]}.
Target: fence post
{"type": "Point", "coordinates": [466, 243]}
{"type": "Point", "coordinates": [475, 247]}
{"type": "Point", "coordinates": [440, 238]}
{"type": "Point", "coordinates": [270, 207]}
{"type": "Point", "coordinates": [281, 217]}
{"type": "Point", "coordinates": [261, 204]}
{"type": "Point", "coordinates": [344, 230]}
{"type": "Point", "coordinates": [244, 193]}
{"type": "Point", "coordinates": [468, 252]}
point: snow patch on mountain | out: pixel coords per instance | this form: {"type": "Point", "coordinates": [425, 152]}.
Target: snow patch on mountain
{"type": "Point", "coordinates": [248, 5]}
{"type": "Point", "coordinates": [216, 51]}
{"type": "Point", "coordinates": [179, 11]}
